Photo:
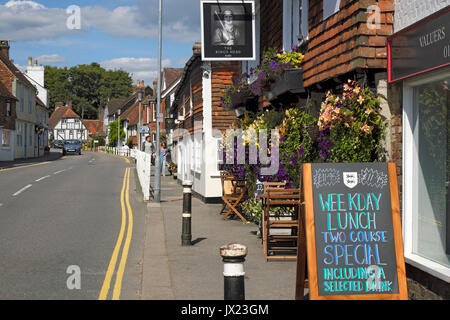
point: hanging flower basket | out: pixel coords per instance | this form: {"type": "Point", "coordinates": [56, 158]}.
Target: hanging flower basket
{"type": "Point", "coordinates": [290, 82]}
{"type": "Point", "coordinates": [238, 99]}
{"type": "Point", "coordinates": [313, 132]}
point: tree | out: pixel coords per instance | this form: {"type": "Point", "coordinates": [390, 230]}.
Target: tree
{"type": "Point", "coordinates": [89, 87]}
{"type": "Point", "coordinates": [113, 133]}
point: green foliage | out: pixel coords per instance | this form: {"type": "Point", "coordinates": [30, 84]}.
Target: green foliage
{"type": "Point", "coordinates": [355, 125]}
{"type": "Point", "coordinates": [100, 143]}
{"type": "Point", "coordinates": [113, 133]}
{"type": "Point", "coordinates": [130, 143]}
{"type": "Point", "coordinates": [87, 86]}
{"type": "Point", "coordinates": [296, 144]}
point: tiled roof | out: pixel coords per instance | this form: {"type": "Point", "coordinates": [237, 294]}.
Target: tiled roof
{"type": "Point", "coordinates": [114, 105]}
{"type": "Point", "coordinates": [4, 92]}
{"type": "Point", "coordinates": [95, 127]}
{"type": "Point", "coordinates": [172, 75]}
{"type": "Point", "coordinates": [60, 113]}
{"type": "Point", "coordinates": [16, 72]}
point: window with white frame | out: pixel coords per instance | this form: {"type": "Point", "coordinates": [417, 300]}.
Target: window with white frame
{"type": "Point", "coordinates": [330, 7]}
{"type": "Point", "coordinates": [22, 97]}
{"type": "Point", "coordinates": [184, 106]}
{"type": "Point", "coordinates": [248, 66]}
{"type": "Point", "coordinates": [8, 109]}
{"type": "Point", "coordinates": [154, 112]}
{"type": "Point", "coordinates": [198, 152]}
{"type": "Point", "coordinates": [426, 177]}
{"type": "Point", "coordinates": [191, 103]}
{"type": "Point", "coordinates": [191, 153]}
{"type": "Point", "coordinates": [30, 100]}
{"type": "Point", "coordinates": [295, 22]}
{"type": "Point", "coordinates": [19, 134]}
{"type": "Point", "coordinates": [5, 138]}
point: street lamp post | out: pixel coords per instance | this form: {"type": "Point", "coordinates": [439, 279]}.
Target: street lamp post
{"type": "Point", "coordinates": [140, 97]}
{"type": "Point", "coordinates": [157, 194]}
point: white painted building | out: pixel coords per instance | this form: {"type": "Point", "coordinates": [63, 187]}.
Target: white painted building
{"type": "Point", "coordinates": [66, 124]}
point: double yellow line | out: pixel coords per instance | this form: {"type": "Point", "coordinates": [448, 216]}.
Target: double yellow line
{"type": "Point", "coordinates": [124, 199]}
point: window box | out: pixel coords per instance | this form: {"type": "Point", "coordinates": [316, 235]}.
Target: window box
{"type": "Point", "coordinates": [243, 100]}
{"type": "Point", "coordinates": [290, 83]}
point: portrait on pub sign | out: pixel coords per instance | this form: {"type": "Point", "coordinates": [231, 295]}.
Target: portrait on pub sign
{"type": "Point", "coordinates": [228, 30]}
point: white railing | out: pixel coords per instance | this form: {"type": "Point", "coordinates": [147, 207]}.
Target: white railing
{"type": "Point", "coordinates": [122, 151]}
{"type": "Point", "coordinates": [143, 165]}
{"type": "Point", "coordinates": [143, 168]}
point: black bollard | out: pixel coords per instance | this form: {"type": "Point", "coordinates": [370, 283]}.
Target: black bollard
{"type": "Point", "coordinates": [186, 234]}
{"type": "Point", "coordinates": [233, 256]}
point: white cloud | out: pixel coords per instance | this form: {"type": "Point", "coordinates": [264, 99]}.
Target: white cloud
{"type": "Point", "coordinates": [30, 20]}
{"type": "Point", "coordinates": [51, 58]}
{"type": "Point", "coordinates": [141, 68]}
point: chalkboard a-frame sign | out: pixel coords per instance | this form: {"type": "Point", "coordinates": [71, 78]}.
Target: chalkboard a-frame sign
{"type": "Point", "coordinates": [353, 231]}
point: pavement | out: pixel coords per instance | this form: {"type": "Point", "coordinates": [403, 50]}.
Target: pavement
{"type": "Point", "coordinates": [53, 155]}
{"type": "Point", "coordinates": [175, 272]}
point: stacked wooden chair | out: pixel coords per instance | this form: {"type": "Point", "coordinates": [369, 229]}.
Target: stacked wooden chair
{"type": "Point", "coordinates": [280, 230]}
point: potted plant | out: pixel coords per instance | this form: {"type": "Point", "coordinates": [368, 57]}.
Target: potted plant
{"type": "Point", "coordinates": [173, 169]}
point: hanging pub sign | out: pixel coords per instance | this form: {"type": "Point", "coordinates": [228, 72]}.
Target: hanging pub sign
{"type": "Point", "coordinates": [228, 30]}
{"type": "Point", "coordinates": [422, 47]}
{"type": "Point", "coordinates": [353, 231]}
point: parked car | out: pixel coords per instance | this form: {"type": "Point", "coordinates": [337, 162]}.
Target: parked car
{"type": "Point", "coordinates": [72, 146]}
{"type": "Point", "coordinates": [57, 144]}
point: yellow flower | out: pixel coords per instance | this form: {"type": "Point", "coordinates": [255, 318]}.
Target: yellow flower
{"type": "Point", "coordinates": [368, 111]}
{"type": "Point", "coordinates": [356, 90]}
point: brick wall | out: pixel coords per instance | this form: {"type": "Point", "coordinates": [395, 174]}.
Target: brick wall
{"type": "Point", "coordinates": [271, 24]}
{"type": "Point", "coordinates": [9, 122]}
{"type": "Point", "coordinates": [344, 42]}
{"type": "Point", "coordinates": [6, 77]}
{"type": "Point", "coordinates": [222, 75]}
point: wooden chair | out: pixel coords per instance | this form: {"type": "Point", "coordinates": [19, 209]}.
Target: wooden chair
{"type": "Point", "coordinates": [234, 191]}
{"type": "Point", "coordinates": [273, 186]}
{"type": "Point", "coordinates": [281, 246]}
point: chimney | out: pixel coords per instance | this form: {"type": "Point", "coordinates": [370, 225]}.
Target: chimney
{"type": "Point", "coordinates": [4, 48]}
{"type": "Point", "coordinates": [142, 83]}
{"type": "Point", "coordinates": [137, 86]}
{"type": "Point", "coordinates": [155, 87]}
{"type": "Point", "coordinates": [58, 104]}
{"type": "Point", "coordinates": [69, 104]}
{"type": "Point", "coordinates": [30, 61]}
{"type": "Point", "coordinates": [197, 48]}
{"type": "Point", "coordinates": [35, 62]}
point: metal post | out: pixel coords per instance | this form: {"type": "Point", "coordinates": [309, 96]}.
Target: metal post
{"type": "Point", "coordinates": [233, 256]}
{"type": "Point", "coordinates": [118, 133]}
{"type": "Point", "coordinates": [186, 233]}
{"type": "Point", "coordinates": [139, 127]}
{"type": "Point", "coordinates": [157, 194]}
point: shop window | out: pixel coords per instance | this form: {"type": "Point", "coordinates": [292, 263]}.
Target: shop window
{"type": "Point", "coordinates": [330, 7]}
{"type": "Point", "coordinates": [427, 175]}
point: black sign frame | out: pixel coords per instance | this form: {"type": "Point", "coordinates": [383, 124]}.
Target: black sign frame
{"type": "Point", "coordinates": [419, 48]}
{"type": "Point", "coordinates": [243, 44]}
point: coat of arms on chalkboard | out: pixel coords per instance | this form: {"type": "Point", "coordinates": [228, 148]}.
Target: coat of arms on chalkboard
{"type": "Point", "coordinates": [351, 179]}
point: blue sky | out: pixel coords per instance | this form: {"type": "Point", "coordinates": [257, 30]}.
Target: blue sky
{"type": "Point", "coordinates": [114, 33]}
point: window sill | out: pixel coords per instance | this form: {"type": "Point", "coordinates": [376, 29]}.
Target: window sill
{"type": "Point", "coordinates": [435, 269]}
